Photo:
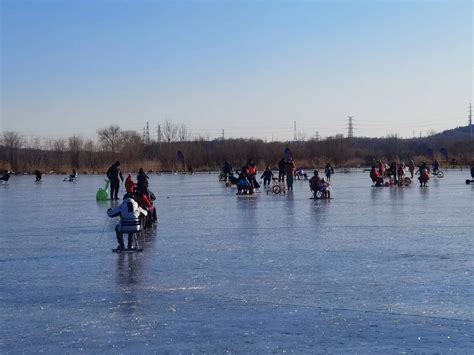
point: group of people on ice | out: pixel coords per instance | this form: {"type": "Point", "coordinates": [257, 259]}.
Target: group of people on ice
{"type": "Point", "coordinates": [136, 211]}
{"type": "Point", "coordinates": [38, 176]}
{"type": "Point", "coordinates": [395, 173]}
{"type": "Point", "coordinates": [246, 181]}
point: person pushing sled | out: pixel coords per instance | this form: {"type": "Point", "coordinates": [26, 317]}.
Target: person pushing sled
{"type": "Point", "coordinates": [130, 223]}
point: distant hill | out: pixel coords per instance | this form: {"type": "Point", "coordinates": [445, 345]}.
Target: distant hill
{"type": "Point", "coordinates": [455, 133]}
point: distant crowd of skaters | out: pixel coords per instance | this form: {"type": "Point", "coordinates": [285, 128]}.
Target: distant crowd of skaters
{"type": "Point", "coordinates": [247, 183]}
{"type": "Point", "coordinates": [395, 172]}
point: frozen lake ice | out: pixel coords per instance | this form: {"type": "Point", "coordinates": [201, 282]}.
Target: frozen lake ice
{"type": "Point", "coordinates": [381, 270]}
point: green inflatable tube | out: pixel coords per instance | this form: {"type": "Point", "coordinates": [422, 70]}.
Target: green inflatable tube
{"type": "Point", "coordinates": [103, 193]}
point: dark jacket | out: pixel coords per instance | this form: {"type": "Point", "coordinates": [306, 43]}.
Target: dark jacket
{"type": "Point", "coordinates": [267, 174]}
{"type": "Point", "coordinates": [281, 165]}
{"type": "Point", "coordinates": [114, 173]}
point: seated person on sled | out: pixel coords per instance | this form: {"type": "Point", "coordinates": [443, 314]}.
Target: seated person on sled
{"type": "Point", "coordinates": [267, 176]}
{"type": "Point", "coordinates": [145, 203]}
{"type": "Point", "coordinates": [318, 184]}
{"type": "Point", "coordinates": [244, 187]}
{"type": "Point", "coordinates": [129, 213]}
{"type": "Point", "coordinates": [73, 175]}
{"type": "Point", "coordinates": [226, 171]}
{"type": "Point", "coordinates": [300, 174]}
{"type": "Point", "coordinates": [5, 177]}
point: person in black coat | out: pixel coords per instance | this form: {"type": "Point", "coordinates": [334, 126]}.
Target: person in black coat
{"type": "Point", "coordinates": [114, 174]}
{"type": "Point", "coordinates": [281, 169]}
{"type": "Point", "coordinates": [38, 175]}
{"type": "Point", "coordinates": [142, 182]}
{"type": "Point", "coordinates": [267, 176]}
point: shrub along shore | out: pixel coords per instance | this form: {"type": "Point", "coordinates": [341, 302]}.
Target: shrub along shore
{"type": "Point", "coordinates": [94, 157]}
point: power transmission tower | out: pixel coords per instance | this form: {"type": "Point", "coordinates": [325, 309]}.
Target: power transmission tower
{"type": "Point", "coordinates": [350, 128]}
{"type": "Point", "coordinates": [159, 134]}
{"type": "Point", "coordinates": [470, 126]}
{"type": "Point", "coordinates": [223, 136]}
{"type": "Point", "coordinates": [294, 131]}
{"type": "Point", "coordinates": [317, 136]}
{"type": "Point", "coordinates": [147, 134]}
{"type": "Point", "coordinates": [470, 118]}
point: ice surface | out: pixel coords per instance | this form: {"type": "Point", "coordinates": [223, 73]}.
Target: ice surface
{"type": "Point", "coordinates": [373, 270]}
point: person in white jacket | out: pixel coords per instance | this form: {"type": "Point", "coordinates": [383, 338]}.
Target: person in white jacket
{"type": "Point", "coordinates": [129, 213]}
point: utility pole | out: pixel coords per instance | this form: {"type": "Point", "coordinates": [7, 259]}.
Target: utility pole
{"type": "Point", "coordinates": [470, 118]}
{"type": "Point", "coordinates": [159, 134]}
{"type": "Point", "coordinates": [350, 128]}
{"type": "Point", "coordinates": [470, 126]}
{"type": "Point", "coordinates": [223, 136]}
{"type": "Point", "coordinates": [294, 131]}
{"type": "Point", "coordinates": [147, 134]}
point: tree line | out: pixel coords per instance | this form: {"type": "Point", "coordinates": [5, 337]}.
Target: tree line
{"type": "Point", "coordinates": [133, 151]}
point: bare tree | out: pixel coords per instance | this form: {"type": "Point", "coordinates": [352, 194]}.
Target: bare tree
{"type": "Point", "coordinates": [75, 144]}
{"type": "Point", "coordinates": [35, 143]}
{"type": "Point", "coordinates": [59, 148]}
{"type": "Point", "coordinates": [301, 136]}
{"type": "Point", "coordinates": [90, 153]}
{"type": "Point", "coordinates": [13, 141]}
{"type": "Point", "coordinates": [109, 138]}
{"type": "Point", "coordinates": [132, 145]}
{"type": "Point", "coordinates": [431, 132]}
{"type": "Point", "coordinates": [183, 133]}
{"type": "Point", "coordinates": [170, 131]}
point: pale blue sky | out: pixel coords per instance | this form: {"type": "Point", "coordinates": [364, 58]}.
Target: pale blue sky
{"type": "Point", "coordinates": [249, 67]}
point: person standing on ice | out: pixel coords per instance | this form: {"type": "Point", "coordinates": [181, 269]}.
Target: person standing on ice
{"type": "Point", "coordinates": [130, 185]}
{"type": "Point", "coordinates": [281, 170]}
{"type": "Point", "coordinates": [113, 174]}
{"type": "Point", "coordinates": [329, 171]}
{"type": "Point", "coordinates": [251, 171]}
{"type": "Point", "coordinates": [227, 170]}
{"type": "Point", "coordinates": [290, 171]}
{"type": "Point", "coordinates": [38, 175]}
{"type": "Point", "coordinates": [411, 168]}
{"type": "Point", "coordinates": [142, 182]}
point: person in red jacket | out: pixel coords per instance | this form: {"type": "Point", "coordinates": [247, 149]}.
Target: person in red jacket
{"type": "Point", "coordinates": [377, 179]}
{"type": "Point", "coordinates": [424, 177]}
{"type": "Point", "coordinates": [381, 168]}
{"type": "Point", "coordinates": [130, 185]}
{"type": "Point", "coordinates": [251, 171]}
